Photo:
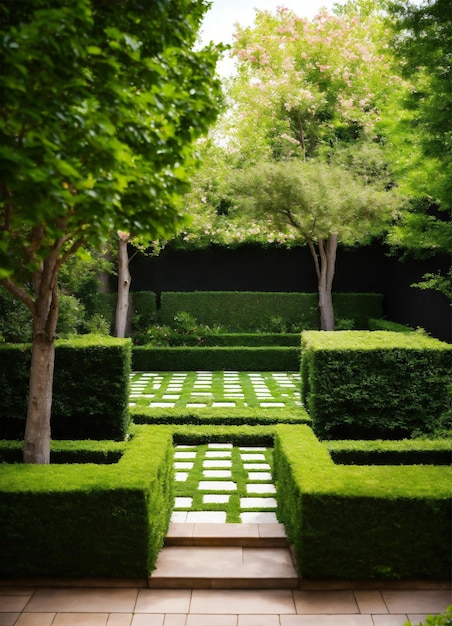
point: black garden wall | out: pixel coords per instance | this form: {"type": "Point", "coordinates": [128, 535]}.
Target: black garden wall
{"type": "Point", "coordinates": [254, 268]}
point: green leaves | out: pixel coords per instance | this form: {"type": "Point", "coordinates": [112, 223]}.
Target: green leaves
{"type": "Point", "coordinates": [98, 119]}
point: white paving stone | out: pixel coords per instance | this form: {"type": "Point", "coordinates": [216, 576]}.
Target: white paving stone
{"type": "Point", "coordinates": [258, 466]}
{"type": "Point", "coordinates": [260, 488]}
{"type": "Point", "coordinates": [223, 404]}
{"type": "Point", "coordinates": [208, 517]}
{"type": "Point", "coordinates": [181, 477]}
{"type": "Point", "coordinates": [255, 503]}
{"type": "Point", "coordinates": [219, 445]}
{"type": "Point", "coordinates": [259, 476]}
{"type": "Point", "coordinates": [183, 466]}
{"type": "Point", "coordinates": [217, 485]}
{"type": "Point", "coordinates": [218, 454]}
{"type": "Point", "coordinates": [217, 463]}
{"type": "Point", "coordinates": [185, 455]}
{"type": "Point", "coordinates": [258, 517]}
{"type": "Point", "coordinates": [196, 405]}
{"type": "Point", "coordinates": [252, 448]}
{"type": "Point", "coordinates": [252, 457]}
{"type": "Point", "coordinates": [215, 498]}
{"type": "Point", "coordinates": [182, 502]}
{"type": "Point", "coordinates": [271, 404]}
{"type": "Point", "coordinates": [217, 473]}
{"type": "Point", "coordinates": [179, 517]}
{"type": "Point", "coordinates": [162, 405]}
{"type": "Point", "coordinates": [170, 397]}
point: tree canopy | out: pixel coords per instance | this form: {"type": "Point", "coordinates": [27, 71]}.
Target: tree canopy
{"type": "Point", "coordinates": [101, 102]}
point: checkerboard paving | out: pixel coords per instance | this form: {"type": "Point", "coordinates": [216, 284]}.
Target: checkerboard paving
{"type": "Point", "coordinates": [215, 389]}
{"type": "Point", "coordinates": [219, 482]}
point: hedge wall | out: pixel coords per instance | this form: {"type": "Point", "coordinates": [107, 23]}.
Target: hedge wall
{"type": "Point", "coordinates": [245, 311]}
{"type": "Point", "coordinates": [150, 358]}
{"type": "Point", "coordinates": [90, 390]}
{"type": "Point", "coordinates": [405, 452]}
{"type": "Point", "coordinates": [371, 522]}
{"type": "Point", "coordinates": [370, 385]}
{"type": "Point", "coordinates": [89, 520]}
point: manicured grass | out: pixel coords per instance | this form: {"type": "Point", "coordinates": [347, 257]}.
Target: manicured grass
{"type": "Point", "coordinates": [207, 389]}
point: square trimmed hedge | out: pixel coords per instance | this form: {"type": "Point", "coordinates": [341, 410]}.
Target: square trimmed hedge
{"type": "Point", "coordinates": [375, 384]}
{"type": "Point", "coordinates": [361, 522]}
{"type": "Point", "coordinates": [90, 388]}
{"type": "Point", "coordinates": [89, 520]}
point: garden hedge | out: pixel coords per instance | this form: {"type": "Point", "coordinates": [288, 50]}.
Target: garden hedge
{"type": "Point", "coordinates": [89, 520]}
{"type": "Point", "coordinates": [245, 311]}
{"type": "Point", "coordinates": [361, 523]}
{"type": "Point", "coordinates": [375, 384]}
{"type": "Point", "coordinates": [252, 339]}
{"type": "Point", "coordinates": [218, 415]}
{"type": "Point", "coordinates": [151, 358]}
{"type": "Point", "coordinates": [379, 452]}
{"type": "Point", "coordinates": [90, 389]}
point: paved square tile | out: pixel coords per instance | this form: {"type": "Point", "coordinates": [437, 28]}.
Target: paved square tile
{"type": "Point", "coordinates": [260, 488]}
{"type": "Point", "coordinates": [217, 485]}
{"type": "Point", "coordinates": [258, 517]}
{"type": "Point", "coordinates": [82, 601]}
{"type": "Point", "coordinates": [163, 601]}
{"type": "Point", "coordinates": [258, 503]}
{"type": "Point", "coordinates": [228, 601]}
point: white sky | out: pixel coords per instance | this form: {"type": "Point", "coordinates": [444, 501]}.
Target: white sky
{"type": "Point", "coordinates": [219, 21]}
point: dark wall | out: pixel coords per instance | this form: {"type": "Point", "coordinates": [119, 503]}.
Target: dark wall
{"type": "Point", "coordinates": [252, 268]}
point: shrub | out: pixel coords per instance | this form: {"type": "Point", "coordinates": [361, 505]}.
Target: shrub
{"type": "Point", "coordinates": [405, 452]}
{"type": "Point", "coordinates": [367, 385]}
{"type": "Point", "coordinates": [89, 520]}
{"type": "Point", "coordinates": [215, 359]}
{"type": "Point", "coordinates": [218, 415]}
{"type": "Point", "coordinates": [251, 311]}
{"type": "Point", "coordinates": [360, 523]}
{"type": "Point", "coordinates": [91, 386]}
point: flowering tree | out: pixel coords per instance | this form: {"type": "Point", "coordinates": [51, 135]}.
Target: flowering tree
{"type": "Point", "coordinates": [101, 102]}
{"type": "Point", "coordinates": [298, 157]}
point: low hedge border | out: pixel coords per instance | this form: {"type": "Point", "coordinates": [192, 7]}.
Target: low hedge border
{"type": "Point", "coordinates": [220, 416]}
{"type": "Point", "coordinates": [252, 339]}
{"type": "Point", "coordinates": [244, 359]}
{"type": "Point", "coordinates": [371, 522]}
{"type": "Point", "coordinates": [375, 384]}
{"type": "Point", "coordinates": [378, 452]}
{"type": "Point", "coordinates": [80, 451]}
{"type": "Point", "coordinates": [89, 520]}
{"type": "Point", "coordinates": [345, 522]}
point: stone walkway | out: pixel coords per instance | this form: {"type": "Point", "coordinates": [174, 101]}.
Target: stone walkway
{"type": "Point", "coordinates": [227, 473]}
{"type": "Point", "coordinates": [134, 606]}
{"type": "Point", "coordinates": [215, 389]}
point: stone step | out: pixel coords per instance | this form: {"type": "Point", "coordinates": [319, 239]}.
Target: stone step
{"type": "Point", "coordinates": [224, 567]}
{"type": "Point", "coordinates": [227, 535]}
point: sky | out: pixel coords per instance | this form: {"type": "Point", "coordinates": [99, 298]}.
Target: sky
{"type": "Point", "coordinates": [218, 24]}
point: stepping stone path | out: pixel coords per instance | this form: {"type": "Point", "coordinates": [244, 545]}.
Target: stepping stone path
{"type": "Point", "coordinates": [211, 475]}
{"type": "Point", "coordinates": [215, 389]}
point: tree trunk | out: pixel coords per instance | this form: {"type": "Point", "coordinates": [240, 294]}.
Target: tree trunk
{"type": "Point", "coordinates": [124, 278]}
{"type": "Point", "coordinates": [45, 315]}
{"type": "Point", "coordinates": [325, 265]}
{"type": "Point", "coordinates": [37, 430]}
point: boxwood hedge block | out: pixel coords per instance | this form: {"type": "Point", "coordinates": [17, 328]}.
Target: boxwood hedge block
{"type": "Point", "coordinates": [89, 520]}
{"type": "Point", "coordinates": [370, 522]}
{"type": "Point", "coordinates": [245, 311]}
{"type": "Point", "coordinates": [216, 359]}
{"type": "Point", "coordinates": [90, 388]}
{"type": "Point", "coordinates": [369, 385]}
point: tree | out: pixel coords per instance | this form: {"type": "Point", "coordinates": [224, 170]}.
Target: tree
{"type": "Point", "coordinates": [421, 134]}
{"type": "Point", "coordinates": [321, 206]}
{"type": "Point", "coordinates": [300, 148]}
{"type": "Point", "coordinates": [101, 102]}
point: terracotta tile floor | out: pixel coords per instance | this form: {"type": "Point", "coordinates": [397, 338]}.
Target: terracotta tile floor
{"type": "Point", "coordinates": [30, 606]}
